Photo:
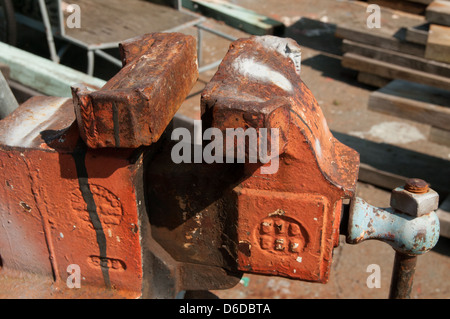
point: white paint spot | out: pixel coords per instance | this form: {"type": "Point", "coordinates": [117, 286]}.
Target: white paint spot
{"type": "Point", "coordinates": [318, 148]}
{"type": "Point", "coordinates": [260, 72]}
{"type": "Point", "coordinates": [285, 46]}
{"type": "Point", "coordinates": [299, 259]}
{"type": "Point", "coordinates": [61, 235]}
{"type": "Point", "coordinates": [392, 132]}
{"type": "Point", "coordinates": [396, 132]}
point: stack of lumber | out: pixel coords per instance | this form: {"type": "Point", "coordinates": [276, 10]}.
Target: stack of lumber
{"type": "Point", "coordinates": [408, 58]}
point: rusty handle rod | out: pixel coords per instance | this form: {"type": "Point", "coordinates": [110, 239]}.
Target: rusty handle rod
{"type": "Point", "coordinates": [402, 276]}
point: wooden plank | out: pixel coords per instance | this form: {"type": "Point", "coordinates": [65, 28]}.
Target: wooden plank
{"type": "Point", "coordinates": [406, 60]}
{"type": "Point", "coordinates": [438, 44]}
{"type": "Point", "coordinates": [418, 34]}
{"type": "Point", "coordinates": [372, 79]}
{"type": "Point", "coordinates": [413, 101]}
{"type": "Point", "coordinates": [439, 136]}
{"type": "Point", "coordinates": [389, 43]}
{"type": "Point", "coordinates": [380, 178]}
{"type": "Point", "coordinates": [43, 75]}
{"type": "Point", "coordinates": [106, 21]}
{"type": "Point", "coordinates": [238, 17]}
{"type": "Point", "coordinates": [438, 12]}
{"type": "Point", "coordinates": [391, 165]}
{"type": "Point", "coordinates": [422, 1]}
{"type": "Point", "coordinates": [393, 71]}
{"type": "Point", "coordinates": [444, 217]}
{"type": "Point", "coordinates": [405, 6]}
{"type": "Point", "coordinates": [392, 32]}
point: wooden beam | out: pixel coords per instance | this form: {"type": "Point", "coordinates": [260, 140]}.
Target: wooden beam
{"type": "Point", "coordinates": [438, 43]}
{"type": "Point", "coordinates": [43, 75]}
{"type": "Point", "coordinates": [417, 34]}
{"type": "Point", "coordinates": [393, 71]}
{"type": "Point", "coordinates": [444, 217]}
{"type": "Point", "coordinates": [413, 101]}
{"type": "Point", "coordinates": [387, 165]}
{"type": "Point", "coordinates": [439, 136]}
{"type": "Point", "coordinates": [243, 19]}
{"type": "Point", "coordinates": [372, 79]}
{"type": "Point", "coordinates": [397, 58]}
{"type": "Point", "coordinates": [438, 12]}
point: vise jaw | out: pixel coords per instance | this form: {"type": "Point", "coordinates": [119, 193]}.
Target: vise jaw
{"type": "Point", "coordinates": [143, 225]}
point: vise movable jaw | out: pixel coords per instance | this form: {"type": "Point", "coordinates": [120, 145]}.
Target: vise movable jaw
{"type": "Point", "coordinates": [138, 222]}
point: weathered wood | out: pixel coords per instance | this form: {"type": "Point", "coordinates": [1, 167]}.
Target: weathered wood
{"type": "Point", "coordinates": [418, 34]}
{"type": "Point", "coordinates": [444, 217]}
{"type": "Point", "coordinates": [238, 17]}
{"type": "Point", "coordinates": [413, 101]}
{"type": "Point", "coordinates": [422, 1]}
{"type": "Point", "coordinates": [106, 21]}
{"type": "Point", "coordinates": [391, 34]}
{"type": "Point", "coordinates": [438, 43]}
{"type": "Point", "coordinates": [393, 71]}
{"type": "Point", "coordinates": [389, 164]}
{"type": "Point", "coordinates": [438, 12]}
{"type": "Point", "coordinates": [389, 43]}
{"type": "Point", "coordinates": [43, 75]}
{"type": "Point", "coordinates": [397, 58]}
{"type": "Point", "coordinates": [439, 136]}
{"type": "Point", "coordinates": [405, 6]}
{"type": "Point", "coordinates": [372, 79]}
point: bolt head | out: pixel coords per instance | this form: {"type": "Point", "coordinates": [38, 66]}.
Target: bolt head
{"type": "Point", "coordinates": [414, 204]}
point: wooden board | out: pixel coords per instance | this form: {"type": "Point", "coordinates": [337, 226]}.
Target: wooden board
{"type": "Point", "coordinates": [42, 74]}
{"type": "Point", "coordinates": [238, 17]}
{"type": "Point", "coordinates": [439, 136]}
{"type": "Point", "coordinates": [106, 21]}
{"type": "Point", "coordinates": [393, 71]}
{"type": "Point", "coordinates": [438, 43]}
{"type": "Point", "coordinates": [388, 166]}
{"type": "Point", "coordinates": [389, 43]}
{"type": "Point", "coordinates": [405, 6]}
{"type": "Point", "coordinates": [397, 58]}
{"type": "Point", "coordinates": [438, 12]}
{"type": "Point", "coordinates": [444, 217]}
{"type": "Point", "coordinates": [413, 101]}
{"type": "Point", "coordinates": [372, 79]}
{"type": "Point", "coordinates": [392, 32]}
{"type": "Point", "coordinates": [417, 34]}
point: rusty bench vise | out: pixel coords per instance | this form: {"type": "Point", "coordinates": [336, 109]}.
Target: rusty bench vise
{"type": "Point", "coordinates": [92, 181]}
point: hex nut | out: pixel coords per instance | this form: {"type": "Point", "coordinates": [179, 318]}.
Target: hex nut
{"type": "Point", "coordinates": [412, 204]}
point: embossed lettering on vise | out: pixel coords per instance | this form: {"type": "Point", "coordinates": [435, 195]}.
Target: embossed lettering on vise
{"type": "Point", "coordinates": [104, 262]}
{"type": "Point", "coordinates": [281, 234]}
{"type": "Point", "coordinates": [108, 205]}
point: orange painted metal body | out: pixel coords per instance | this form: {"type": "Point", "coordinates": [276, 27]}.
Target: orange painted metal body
{"type": "Point", "coordinates": [288, 221]}
{"type": "Point", "coordinates": [63, 204]}
{"type": "Point", "coordinates": [139, 224]}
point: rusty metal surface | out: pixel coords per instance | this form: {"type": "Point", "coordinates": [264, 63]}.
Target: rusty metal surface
{"type": "Point", "coordinates": [63, 204]}
{"type": "Point", "coordinates": [137, 104]}
{"type": "Point", "coordinates": [287, 222]}
{"type": "Point", "coordinates": [402, 276]}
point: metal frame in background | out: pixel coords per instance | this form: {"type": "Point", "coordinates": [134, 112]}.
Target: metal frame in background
{"type": "Point", "coordinates": [98, 49]}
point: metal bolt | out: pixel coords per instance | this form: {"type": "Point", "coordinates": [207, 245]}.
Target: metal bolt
{"type": "Point", "coordinates": [416, 186]}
